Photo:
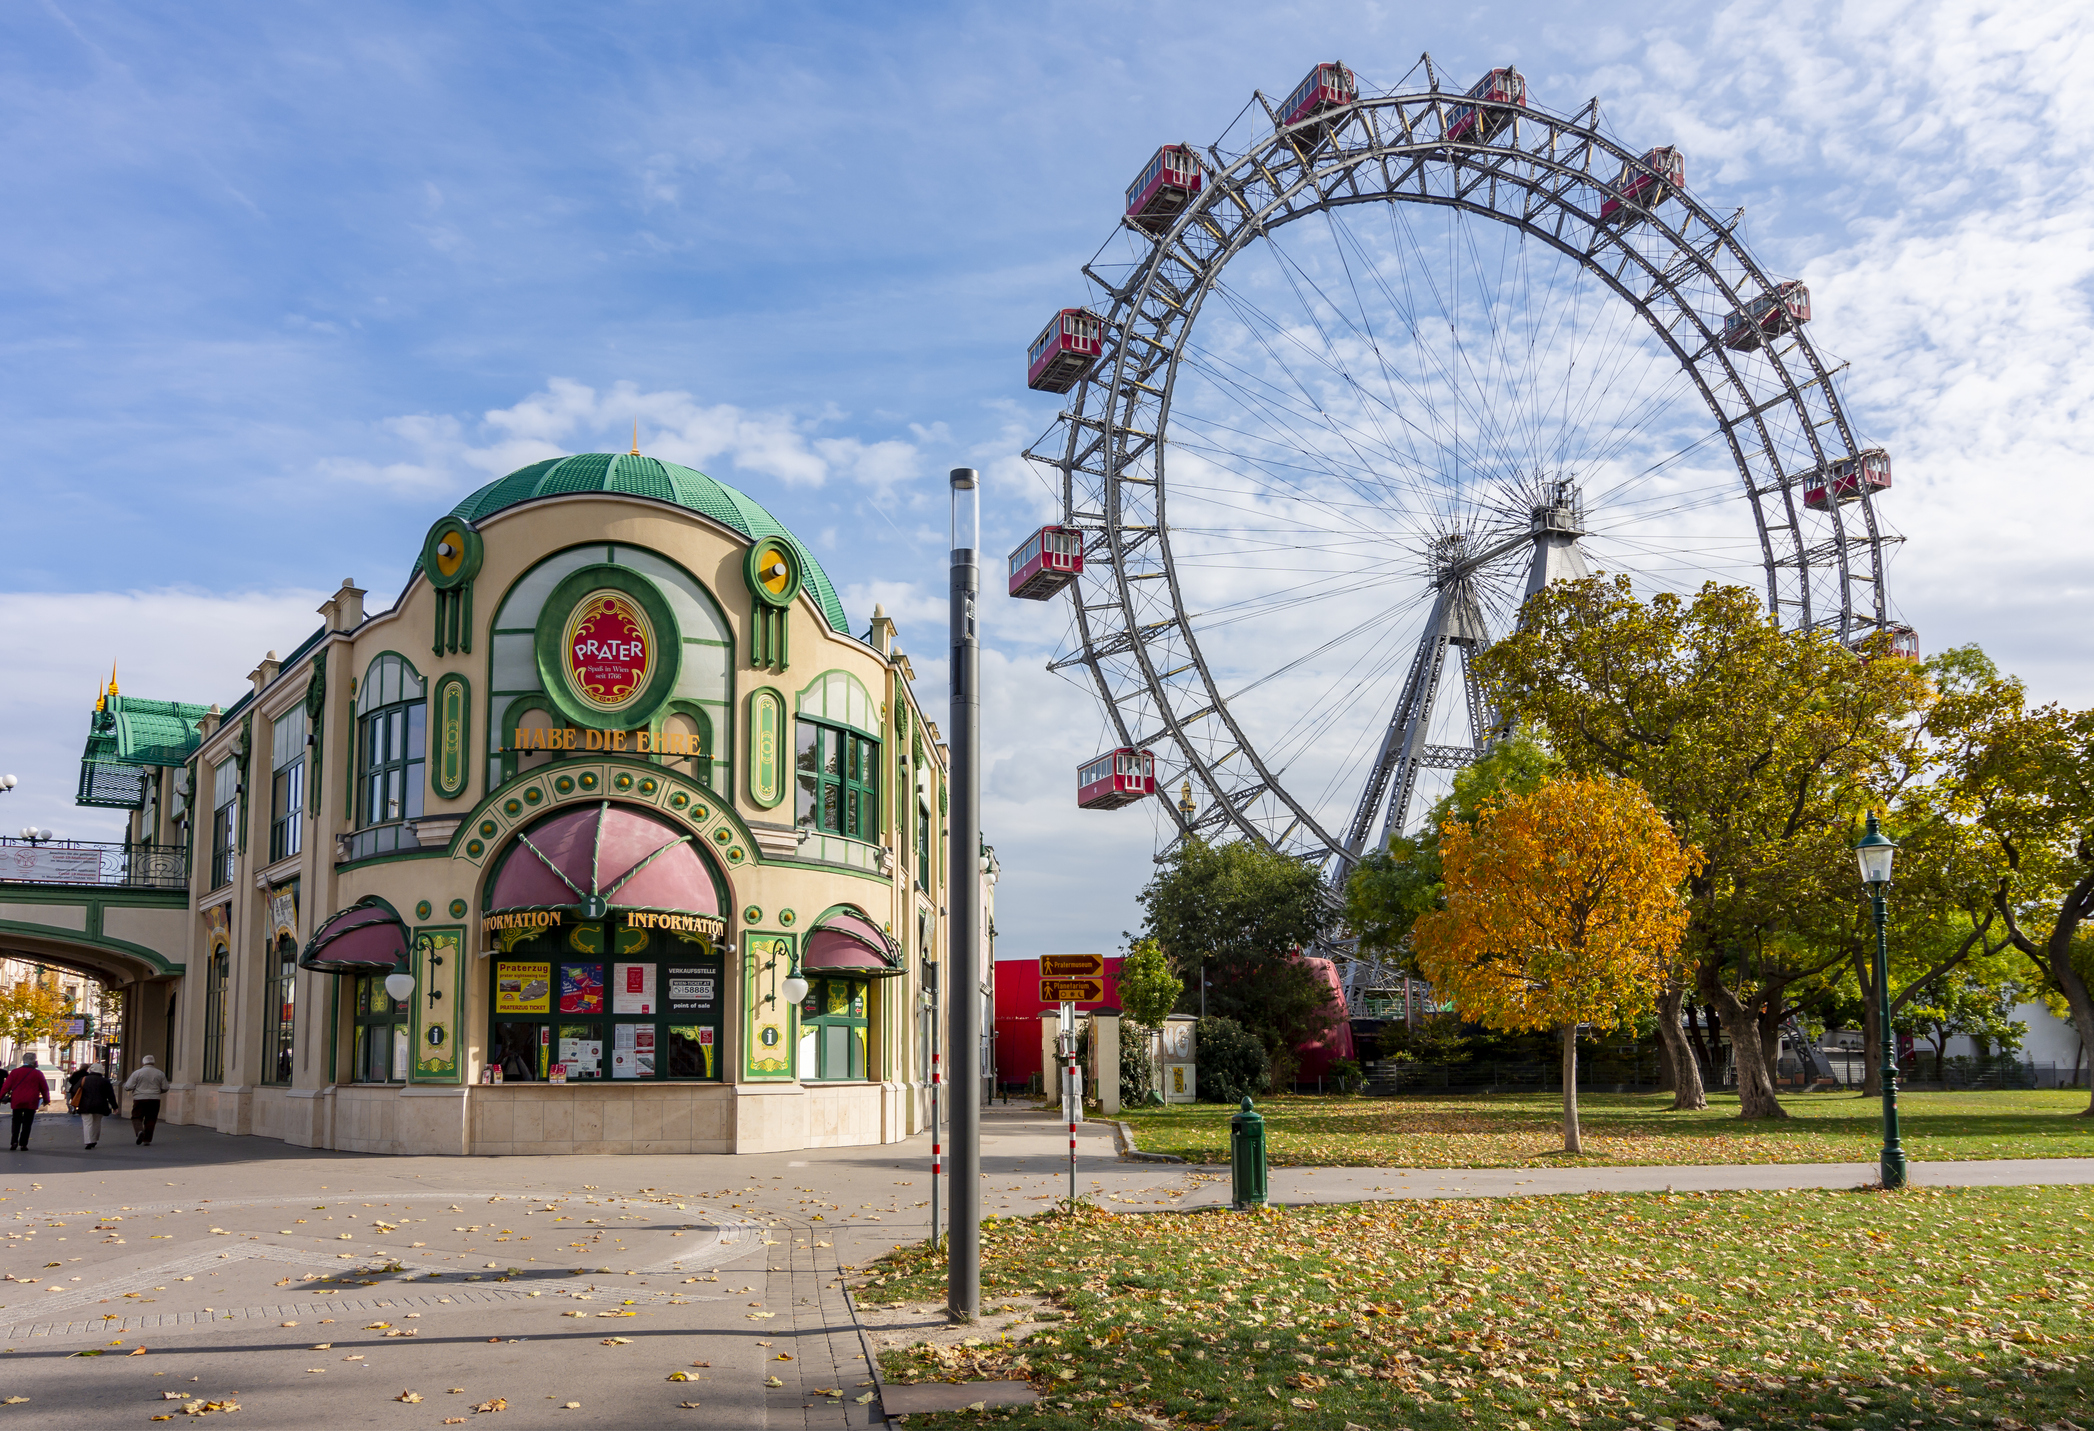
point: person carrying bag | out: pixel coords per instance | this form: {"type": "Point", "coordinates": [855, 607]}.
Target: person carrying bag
{"type": "Point", "coordinates": [95, 1100]}
{"type": "Point", "coordinates": [25, 1091]}
{"type": "Point", "coordinates": [147, 1087]}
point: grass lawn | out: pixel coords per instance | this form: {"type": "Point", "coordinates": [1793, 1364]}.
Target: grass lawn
{"type": "Point", "coordinates": [1517, 1130]}
{"type": "Point", "coordinates": [1934, 1308]}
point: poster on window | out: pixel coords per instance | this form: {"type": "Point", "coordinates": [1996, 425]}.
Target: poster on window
{"type": "Point", "coordinates": [581, 988]}
{"type": "Point", "coordinates": [632, 989]}
{"type": "Point", "coordinates": [632, 1051]}
{"type": "Point", "coordinates": [582, 1051]}
{"type": "Point", "coordinates": [694, 990]}
{"type": "Point", "coordinates": [522, 987]}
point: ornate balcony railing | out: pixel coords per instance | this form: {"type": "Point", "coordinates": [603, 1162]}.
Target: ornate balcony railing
{"type": "Point", "coordinates": [93, 862]}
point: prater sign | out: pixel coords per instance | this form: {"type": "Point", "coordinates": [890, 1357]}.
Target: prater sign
{"type": "Point", "coordinates": [610, 649]}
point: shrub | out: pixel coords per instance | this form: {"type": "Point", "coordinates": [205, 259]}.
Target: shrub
{"type": "Point", "coordinates": [1136, 1074]}
{"type": "Point", "coordinates": [1347, 1074]}
{"type": "Point", "coordinates": [1229, 1061]}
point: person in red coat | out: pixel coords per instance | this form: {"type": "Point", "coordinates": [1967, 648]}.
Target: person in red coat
{"type": "Point", "coordinates": [25, 1091]}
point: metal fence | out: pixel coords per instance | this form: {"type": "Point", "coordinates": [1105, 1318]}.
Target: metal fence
{"type": "Point", "coordinates": [1599, 1074]}
{"type": "Point", "coordinates": [1608, 1074]}
{"type": "Point", "coordinates": [94, 862]}
{"type": "Point", "coordinates": [1962, 1074]}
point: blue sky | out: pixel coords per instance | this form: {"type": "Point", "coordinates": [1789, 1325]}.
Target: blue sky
{"type": "Point", "coordinates": [280, 283]}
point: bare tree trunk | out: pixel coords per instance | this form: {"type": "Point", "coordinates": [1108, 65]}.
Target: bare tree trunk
{"type": "Point", "coordinates": [1705, 1062]}
{"type": "Point", "coordinates": [1756, 1097]}
{"type": "Point", "coordinates": [1572, 1143]}
{"type": "Point", "coordinates": [1770, 1037]}
{"type": "Point", "coordinates": [1687, 1091]}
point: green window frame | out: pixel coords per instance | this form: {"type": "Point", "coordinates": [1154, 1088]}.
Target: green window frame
{"type": "Point", "coordinates": [576, 1024]}
{"type": "Point", "coordinates": [225, 820]}
{"type": "Point", "coordinates": [380, 1051]}
{"type": "Point", "coordinates": [392, 741]}
{"type": "Point", "coordinates": [280, 1026]}
{"type": "Point", "coordinates": [287, 783]}
{"type": "Point", "coordinates": [837, 775]}
{"type": "Point", "coordinates": [214, 1015]}
{"type": "Point", "coordinates": [836, 1030]}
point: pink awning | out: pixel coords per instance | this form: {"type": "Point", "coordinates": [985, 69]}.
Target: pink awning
{"type": "Point", "coordinates": [631, 859]}
{"type": "Point", "coordinates": [365, 938]}
{"type": "Point", "coordinates": [848, 943]}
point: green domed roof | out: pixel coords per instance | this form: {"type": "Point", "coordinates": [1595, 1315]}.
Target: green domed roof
{"type": "Point", "coordinates": [665, 482]}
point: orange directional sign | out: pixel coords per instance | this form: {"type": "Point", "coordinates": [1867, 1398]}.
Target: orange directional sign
{"type": "Point", "coordinates": [1072, 991]}
{"type": "Point", "coordinates": [1072, 966]}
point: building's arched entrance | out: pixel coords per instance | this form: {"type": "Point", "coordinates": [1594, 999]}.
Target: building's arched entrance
{"type": "Point", "coordinates": [607, 930]}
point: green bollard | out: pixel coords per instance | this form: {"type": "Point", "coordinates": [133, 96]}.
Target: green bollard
{"type": "Point", "coordinates": [1247, 1157]}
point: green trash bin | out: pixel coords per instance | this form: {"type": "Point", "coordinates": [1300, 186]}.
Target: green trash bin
{"type": "Point", "coordinates": [1247, 1157]}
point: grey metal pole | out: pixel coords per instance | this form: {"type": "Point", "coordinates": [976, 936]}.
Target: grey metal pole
{"type": "Point", "coordinates": [963, 1268]}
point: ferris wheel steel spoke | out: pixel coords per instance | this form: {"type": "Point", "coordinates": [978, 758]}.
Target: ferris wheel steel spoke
{"type": "Point", "coordinates": [1274, 496]}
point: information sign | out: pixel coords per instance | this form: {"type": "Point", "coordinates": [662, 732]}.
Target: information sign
{"type": "Point", "coordinates": [1072, 991]}
{"type": "Point", "coordinates": [1072, 966]}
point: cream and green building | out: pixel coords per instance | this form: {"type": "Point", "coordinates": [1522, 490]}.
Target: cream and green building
{"type": "Point", "coordinates": [607, 836]}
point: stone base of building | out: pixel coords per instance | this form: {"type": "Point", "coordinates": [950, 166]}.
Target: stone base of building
{"type": "Point", "coordinates": [492, 1120]}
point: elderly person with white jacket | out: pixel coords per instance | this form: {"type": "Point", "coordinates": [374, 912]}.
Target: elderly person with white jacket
{"type": "Point", "coordinates": [147, 1087]}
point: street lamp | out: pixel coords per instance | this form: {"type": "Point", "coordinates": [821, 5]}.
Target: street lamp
{"type": "Point", "coordinates": [1874, 855]}
{"type": "Point", "coordinates": [7, 783]}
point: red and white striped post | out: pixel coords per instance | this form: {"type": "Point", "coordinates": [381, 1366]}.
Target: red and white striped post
{"type": "Point", "coordinates": [937, 1148]}
{"type": "Point", "coordinates": [1072, 1095]}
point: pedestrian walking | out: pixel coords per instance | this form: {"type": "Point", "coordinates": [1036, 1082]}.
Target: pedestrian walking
{"type": "Point", "coordinates": [147, 1087]}
{"type": "Point", "coordinates": [25, 1091]}
{"type": "Point", "coordinates": [72, 1088]}
{"type": "Point", "coordinates": [97, 1099]}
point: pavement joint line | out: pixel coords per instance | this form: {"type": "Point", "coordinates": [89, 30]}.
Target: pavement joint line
{"type": "Point", "coordinates": [729, 1240]}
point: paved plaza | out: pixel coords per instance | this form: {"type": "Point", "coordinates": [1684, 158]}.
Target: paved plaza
{"type": "Point", "coordinates": [316, 1288]}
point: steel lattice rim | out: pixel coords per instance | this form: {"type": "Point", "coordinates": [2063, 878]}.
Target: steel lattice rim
{"type": "Point", "coordinates": [1779, 414]}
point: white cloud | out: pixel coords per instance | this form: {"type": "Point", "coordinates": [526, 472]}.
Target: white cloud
{"type": "Point", "coordinates": [175, 644]}
{"type": "Point", "coordinates": [566, 415]}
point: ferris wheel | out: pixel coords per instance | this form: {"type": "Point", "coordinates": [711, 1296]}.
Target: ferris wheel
{"type": "Point", "coordinates": [1345, 395]}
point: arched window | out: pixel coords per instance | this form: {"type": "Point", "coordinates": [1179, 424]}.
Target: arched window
{"type": "Point", "coordinates": [391, 737]}
{"type": "Point", "coordinates": [281, 984]}
{"type": "Point", "coordinates": [685, 741]}
{"type": "Point", "coordinates": [837, 758]}
{"type": "Point", "coordinates": [214, 1013]}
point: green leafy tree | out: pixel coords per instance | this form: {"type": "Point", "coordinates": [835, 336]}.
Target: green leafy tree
{"type": "Point", "coordinates": [1148, 988]}
{"type": "Point", "coordinates": [1759, 746]}
{"type": "Point", "coordinates": [2024, 778]}
{"type": "Point", "coordinates": [1229, 1061]}
{"type": "Point", "coordinates": [1970, 1004]}
{"type": "Point", "coordinates": [1236, 915]}
{"type": "Point", "coordinates": [1148, 993]}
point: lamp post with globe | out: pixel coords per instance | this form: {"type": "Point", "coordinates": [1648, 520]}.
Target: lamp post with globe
{"type": "Point", "coordinates": [1874, 854]}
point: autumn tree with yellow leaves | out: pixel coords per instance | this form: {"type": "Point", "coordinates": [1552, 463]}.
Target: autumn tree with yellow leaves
{"type": "Point", "coordinates": [30, 1012]}
{"type": "Point", "coordinates": [1563, 907]}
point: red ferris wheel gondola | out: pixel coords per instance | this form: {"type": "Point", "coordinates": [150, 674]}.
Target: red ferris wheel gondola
{"type": "Point", "coordinates": [1850, 477]}
{"type": "Point", "coordinates": [1768, 316]}
{"type": "Point", "coordinates": [1327, 87]}
{"type": "Point", "coordinates": [1064, 351]}
{"type": "Point", "coordinates": [1116, 778]}
{"type": "Point", "coordinates": [1170, 182]}
{"type": "Point", "coordinates": [1644, 184]}
{"type": "Point", "coordinates": [1474, 121]}
{"type": "Point", "coordinates": [1051, 558]}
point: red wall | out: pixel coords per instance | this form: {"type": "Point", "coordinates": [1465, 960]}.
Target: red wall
{"type": "Point", "coordinates": [1018, 1010]}
{"type": "Point", "coordinates": [1019, 1006]}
